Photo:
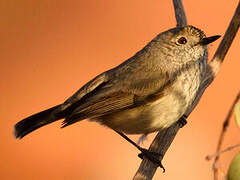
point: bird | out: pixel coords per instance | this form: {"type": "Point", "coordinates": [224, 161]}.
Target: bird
{"type": "Point", "coordinates": [146, 93]}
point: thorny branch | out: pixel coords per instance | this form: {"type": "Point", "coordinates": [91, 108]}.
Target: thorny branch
{"type": "Point", "coordinates": [165, 137]}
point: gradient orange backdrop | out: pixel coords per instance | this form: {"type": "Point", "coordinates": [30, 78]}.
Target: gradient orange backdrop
{"type": "Point", "coordinates": [49, 49]}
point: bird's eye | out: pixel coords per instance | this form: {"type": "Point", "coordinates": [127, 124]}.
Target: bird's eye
{"type": "Point", "coordinates": [182, 40]}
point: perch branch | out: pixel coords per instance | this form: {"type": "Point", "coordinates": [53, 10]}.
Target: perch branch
{"type": "Point", "coordinates": [165, 137]}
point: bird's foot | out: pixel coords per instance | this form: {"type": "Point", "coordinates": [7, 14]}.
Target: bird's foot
{"type": "Point", "coordinates": [152, 156]}
{"type": "Point", "coordinates": [182, 121]}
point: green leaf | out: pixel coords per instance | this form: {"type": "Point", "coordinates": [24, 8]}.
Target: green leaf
{"type": "Point", "coordinates": [234, 169]}
{"type": "Point", "coordinates": [237, 113]}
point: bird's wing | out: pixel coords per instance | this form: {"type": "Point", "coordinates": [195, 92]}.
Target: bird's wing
{"type": "Point", "coordinates": [86, 89]}
{"type": "Point", "coordinates": [126, 86]}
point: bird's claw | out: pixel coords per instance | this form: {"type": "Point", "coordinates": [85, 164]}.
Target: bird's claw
{"type": "Point", "coordinates": [182, 121]}
{"type": "Point", "coordinates": [152, 156]}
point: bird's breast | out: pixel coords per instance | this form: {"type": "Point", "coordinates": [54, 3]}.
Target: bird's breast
{"type": "Point", "coordinates": [161, 112]}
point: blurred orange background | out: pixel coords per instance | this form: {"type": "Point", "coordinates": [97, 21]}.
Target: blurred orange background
{"type": "Point", "coordinates": [49, 49]}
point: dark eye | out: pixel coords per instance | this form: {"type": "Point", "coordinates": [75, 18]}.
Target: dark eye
{"type": "Point", "coordinates": [182, 40]}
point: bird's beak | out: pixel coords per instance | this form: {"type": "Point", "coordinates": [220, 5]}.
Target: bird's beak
{"type": "Point", "coordinates": [208, 40]}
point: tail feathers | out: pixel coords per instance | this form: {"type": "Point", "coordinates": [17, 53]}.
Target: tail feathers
{"type": "Point", "coordinates": [73, 119]}
{"type": "Point", "coordinates": [34, 122]}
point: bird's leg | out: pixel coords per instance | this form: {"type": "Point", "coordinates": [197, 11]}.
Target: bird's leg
{"type": "Point", "coordinates": [152, 156]}
{"type": "Point", "coordinates": [182, 121]}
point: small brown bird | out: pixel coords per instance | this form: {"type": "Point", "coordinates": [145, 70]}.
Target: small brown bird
{"type": "Point", "coordinates": [146, 93]}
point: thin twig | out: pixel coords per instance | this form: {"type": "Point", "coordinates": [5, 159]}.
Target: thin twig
{"type": "Point", "coordinates": [179, 13]}
{"type": "Point", "coordinates": [222, 135]}
{"type": "Point", "coordinates": [209, 157]}
{"type": "Point", "coordinates": [164, 138]}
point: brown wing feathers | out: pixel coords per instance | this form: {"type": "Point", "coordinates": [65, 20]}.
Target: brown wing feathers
{"type": "Point", "coordinates": [100, 106]}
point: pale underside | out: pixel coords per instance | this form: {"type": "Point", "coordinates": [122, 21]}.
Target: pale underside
{"type": "Point", "coordinates": [158, 114]}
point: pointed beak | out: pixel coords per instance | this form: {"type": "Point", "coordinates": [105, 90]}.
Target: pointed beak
{"type": "Point", "coordinates": [209, 40]}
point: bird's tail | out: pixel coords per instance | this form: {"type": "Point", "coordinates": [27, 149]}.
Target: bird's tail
{"type": "Point", "coordinates": [34, 122]}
